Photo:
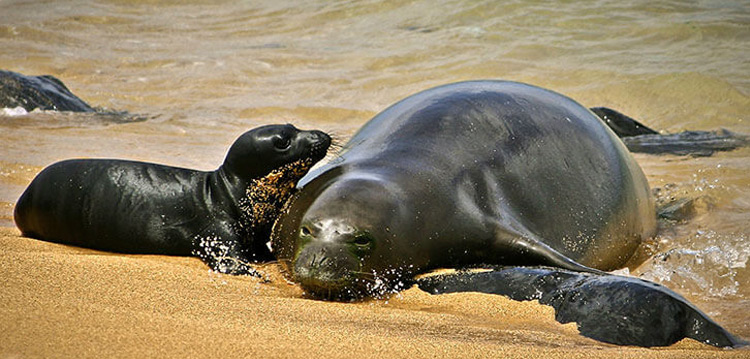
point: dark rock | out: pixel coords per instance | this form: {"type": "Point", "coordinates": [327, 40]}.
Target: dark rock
{"type": "Point", "coordinates": [38, 92]}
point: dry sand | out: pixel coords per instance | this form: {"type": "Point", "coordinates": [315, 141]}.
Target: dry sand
{"type": "Point", "coordinates": [61, 301]}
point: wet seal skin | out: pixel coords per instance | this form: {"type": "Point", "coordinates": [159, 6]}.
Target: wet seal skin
{"type": "Point", "coordinates": [488, 173]}
{"type": "Point", "coordinates": [480, 172]}
{"type": "Point", "coordinates": [224, 216]}
{"type": "Point", "coordinates": [609, 308]}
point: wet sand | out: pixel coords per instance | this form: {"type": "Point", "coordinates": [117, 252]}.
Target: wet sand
{"type": "Point", "coordinates": [61, 301]}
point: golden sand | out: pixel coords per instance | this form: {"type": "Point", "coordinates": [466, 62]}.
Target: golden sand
{"type": "Point", "coordinates": [61, 301]}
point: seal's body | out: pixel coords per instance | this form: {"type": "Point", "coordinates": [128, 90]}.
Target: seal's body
{"type": "Point", "coordinates": [222, 216]}
{"type": "Point", "coordinates": [483, 172]}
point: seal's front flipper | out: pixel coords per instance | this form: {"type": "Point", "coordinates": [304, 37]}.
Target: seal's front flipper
{"type": "Point", "coordinates": [613, 309]}
{"type": "Point", "coordinates": [622, 125]}
{"type": "Point", "coordinates": [534, 251]}
{"type": "Point", "coordinates": [549, 256]}
{"type": "Point", "coordinates": [219, 246]}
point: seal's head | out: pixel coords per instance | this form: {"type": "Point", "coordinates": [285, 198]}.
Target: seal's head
{"type": "Point", "coordinates": [261, 150]}
{"type": "Point", "coordinates": [345, 244]}
{"type": "Point", "coordinates": [263, 167]}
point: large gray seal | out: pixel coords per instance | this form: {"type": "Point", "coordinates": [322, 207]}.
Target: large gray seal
{"type": "Point", "coordinates": [222, 216]}
{"type": "Point", "coordinates": [482, 172]}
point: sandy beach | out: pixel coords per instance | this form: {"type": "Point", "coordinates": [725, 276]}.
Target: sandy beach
{"type": "Point", "coordinates": [192, 75]}
{"type": "Point", "coordinates": [61, 301]}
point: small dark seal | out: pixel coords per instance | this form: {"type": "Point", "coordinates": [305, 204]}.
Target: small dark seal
{"type": "Point", "coordinates": [224, 216]}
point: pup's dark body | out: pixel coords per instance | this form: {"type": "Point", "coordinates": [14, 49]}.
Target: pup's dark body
{"type": "Point", "coordinates": [137, 207]}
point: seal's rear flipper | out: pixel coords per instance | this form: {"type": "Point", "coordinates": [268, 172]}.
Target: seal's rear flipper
{"type": "Point", "coordinates": [613, 309]}
{"type": "Point", "coordinates": [622, 125]}
{"type": "Point", "coordinates": [694, 143]}
{"type": "Point", "coordinates": [639, 138]}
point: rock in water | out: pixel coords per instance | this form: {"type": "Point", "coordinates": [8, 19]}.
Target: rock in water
{"type": "Point", "coordinates": [38, 92]}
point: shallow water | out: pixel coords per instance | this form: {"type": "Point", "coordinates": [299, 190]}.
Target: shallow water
{"type": "Point", "coordinates": [202, 72]}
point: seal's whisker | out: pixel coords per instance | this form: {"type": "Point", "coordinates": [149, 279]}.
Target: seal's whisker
{"type": "Point", "coordinates": [335, 136]}
{"type": "Point", "coordinates": [337, 141]}
{"type": "Point", "coordinates": [283, 264]}
{"type": "Point", "coordinates": [336, 145]}
{"type": "Point", "coordinates": [335, 151]}
{"type": "Point", "coordinates": [367, 275]}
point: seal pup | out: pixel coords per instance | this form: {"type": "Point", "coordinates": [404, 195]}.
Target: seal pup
{"type": "Point", "coordinates": [480, 172]}
{"type": "Point", "coordinates": [224, 216]}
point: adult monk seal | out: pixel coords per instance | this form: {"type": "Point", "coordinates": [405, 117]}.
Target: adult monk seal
{"type": "Point", "coordinates": [224, 216]}
{"type": "Point", "coordinates": [482, 172]}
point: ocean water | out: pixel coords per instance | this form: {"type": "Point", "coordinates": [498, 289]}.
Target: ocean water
{"type": "Point", "coordinates": [196, 74]}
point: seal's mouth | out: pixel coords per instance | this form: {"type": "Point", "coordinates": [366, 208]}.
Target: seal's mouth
{"type": "Point", "coordinates": [347, 286]}
{"type": "Point", "coordinates": [329, 273]}
{"type": "Point", "coordinates": [353, 289]}
{"type": "Point", "coordinates": [335, 290]}
{"type": "Point", "coordinates": [319, 148]}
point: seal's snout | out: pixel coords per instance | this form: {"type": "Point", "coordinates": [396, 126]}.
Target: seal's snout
{"type": "Point", "coordinates": [324, 269]}
{"type": "Point", "coordinates": [318, 142]}
{"type": "Point", "coordinates": [331, 257]}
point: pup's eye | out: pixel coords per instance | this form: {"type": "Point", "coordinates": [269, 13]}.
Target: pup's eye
{"type": "Point", "coordinates": [362, 240]}
{"type": "Point", "coordinates": [282, 143]}
{"type": "Point", "coordinates": [306, 231]}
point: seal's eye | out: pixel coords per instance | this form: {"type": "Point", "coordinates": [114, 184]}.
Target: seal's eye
{"type": "Point", "coordinates": [362, 240]}
{"type": "Point", "coordinates": [305, 231]}
{"type": "Point", "coordinates": [282, 142]}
